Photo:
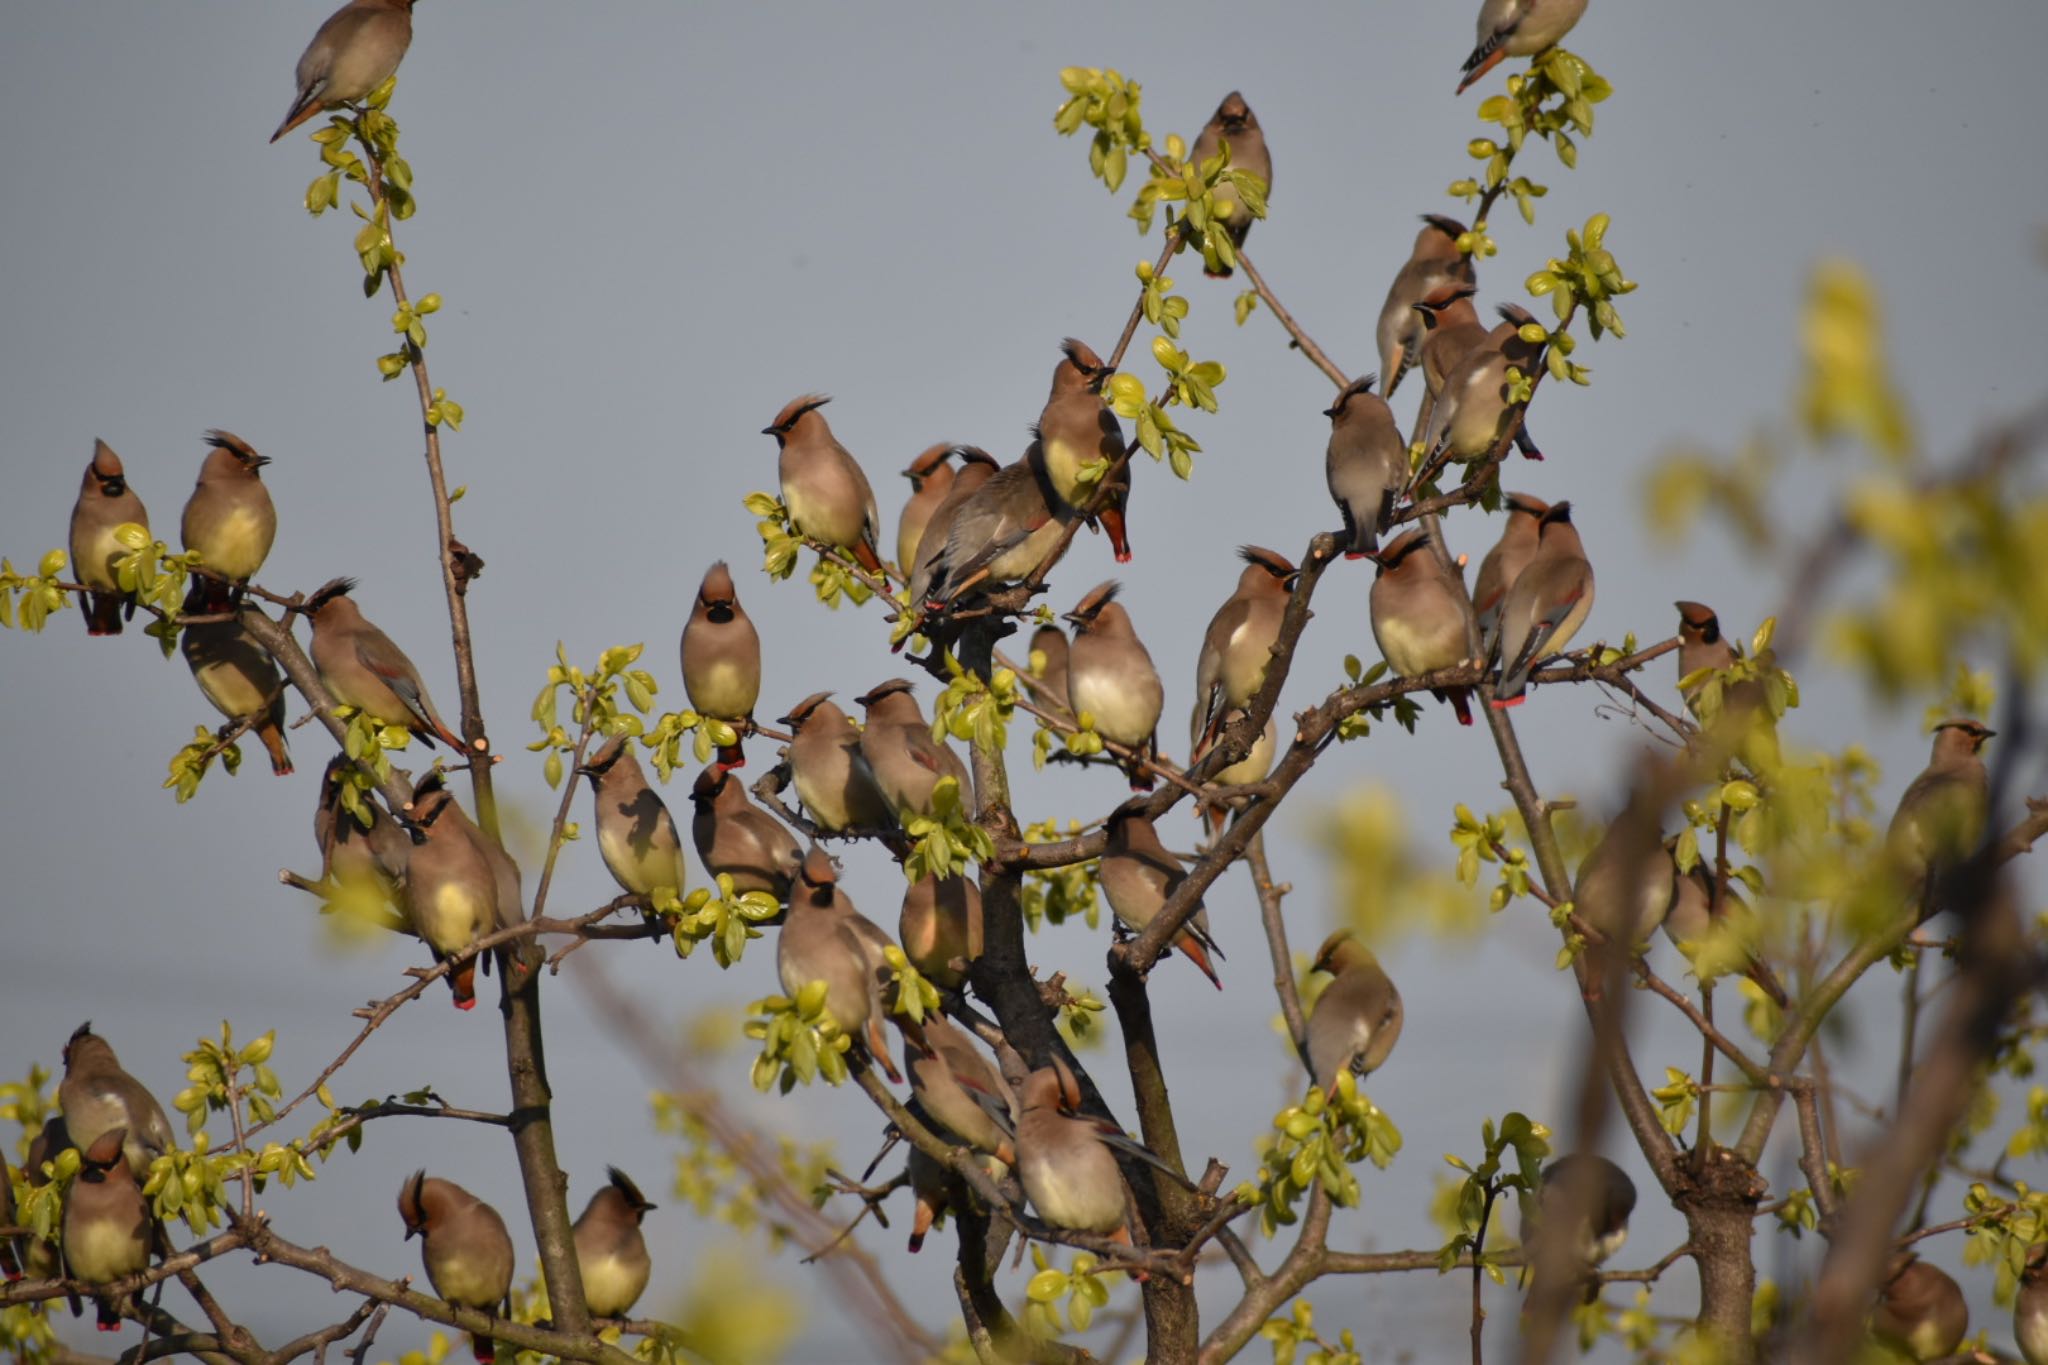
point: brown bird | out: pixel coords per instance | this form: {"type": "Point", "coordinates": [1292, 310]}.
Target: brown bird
{"type": "Point", "coordinates": [635, 833]}
{"type": "Point", "coordinates": [1517, 28]}
{"type": "Point", "coordinates": [1239, 643]}
{"type": "Point", "coordinates": [1365, 465]}
{"type": "Point", "coordinates": [737, 838]}
{"type": "Point", "coordinates": [611, 1254]}
{"type": "Point", "coordinates": [464, 1246]}
{"type": "Point", "coordinates": [722, 659]}
{"type": "Point", "coordinates": [931, 478]}
{"type": "Point", "coordinates": [1473, 411]}
{"type": "Point", "coordinates": [108, 1232]}
{"type": "Point", "coordinates": [977, 467]}
{"type": "Point", "coordinates": [2030, 1308]}
{"type": "Point", "coordinates": [1434, 262]}
{"type": "Point", "coordinates": [1505, 561]}
{"type": "Point", "coordinates": [1418, 615]}
{"type": "Point", "coordinates": [1076, 428]}
{"type": "Point", "coordinates": [929, 1186]}
{"type": "Point", "coordinates": [1047, 666]}
{"type": "Point", "coordinates": [360, 667]}
{"type": "Point", "coordinates": [822, 941]}
{"type": "Point", "coordinates": [825, 766]}
{"type": "Point", "coordinates": [97, 1097]}
{"type": "Point", "coordinates": [12, 1249]}
{"type": "Point", "coordinates": [1234, 122]}
{"type": "Point", "coordinates": [1743, 715]}
{"type": "Point", "coordinates": [361, 867]}
{"type": "Point", "coordinates": [1545, 608]}
{"type": "Point", "coordinates": [1012, 524]}
{"type": "Point", "coordinates": [1357, 1019]}
{"type": "Point", "coordinates": [1586, 1199]}
{"type": "Point", "coordinates": [960, 1089]}
{"type": "Point", "coordinates": [1253, 767]}
{"type": "Point", "coordinates": [355, 51]}
{"type": "Point", "coordinates": [823, 488]}
{"type": "Point", "coordinates": [105, 504]}
{"type": "Point", "coordinates": [1451, 329]}
{"type": "Point", "coordinates": [1944, 811]}
{"type": "Point", "coordinates": [1138, 875]}
{"type": "Point", "coordinates": [906, 763]}
{"type": "Point", "coordinates": [229, 519]}
{"type": "Point", "coordinates": [941, 924]}
{"type": "Point", "coordinates": [1110, 678]}
{"type": "Point", "coordinates": [237, 675]}
{"type": "Point", "coordinates": [451, 885]}
{"type": "Point", "coordinates": [42, 1259]}
{"type": "Point", "coordinates": [1920, 1309]}
{"type": "Point", "coordinates": [1066, 1164]}
{"type": "Point", "coordinates": [1623, 890]}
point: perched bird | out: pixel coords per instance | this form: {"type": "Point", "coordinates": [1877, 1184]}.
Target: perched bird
{"type": "Point", "coordinates": [1505, 561]}
{"type": "Point", "coordinates": [821, 942]}
{"type": "Point", "coordinates": [1076, 428]}
{"type": "Point", "coordinates": [97, 1097]}
{"type": "Point", "coordinates": [1433, 262]}
{"type": "Point", "coordinates": [635, 833]}
{"type": "Point", "coordinates": [826, 769]}
{"type": "Point", "coordinates": [108, 1232]}
{"type": "Point", "coordinates": [451, 885]}
{"type": "Point", "coordinates": [1623, 890]}
{"type": "Point", "coordinates": [360, 667]}
{"type": "Point", "coordinates": [42, 1259]}
{"type": "Point", "coordinates": [1517, 28]}
{"type": "Point", "coordinates": [1451, 329]}
{"type": "Point", "coordinates": [1138, 875]}
{"type": "Point", "coordinates": [229, 519]}
{"type": "Point", "coordinates": [11, 1248]}
{"type": "Point", "coordinates": [940, 924]}
{"type": "Point", "coordinates": [1365, 465]}
{"type": "Point", "coordinates": [1695, 916]}
{"type": "Point", "coordinates": [931, 478]}
{"type": "Point", "coordinates": [610, 1252]}
{"type": "Point", "coordinates": [1920, 1309]}
{"type": "Point", "coordinates": [1474, 410]}
{"type": "Point", "coordinates": [827, 496]}
{"type": "Point", "coordinates": [722, 659]}
{"type": "Point", "coordinates": [105, 504]}
{"type": "Point", "coordinates": [1235, 123]}
{"type": "Point", "coordinates": [1048, 665]}
{"type": "Point", "coordinates": [1545, 608]}
{"type": "Point", "coordinates": [464, 1246]}
{"type": "Point", "coordinates": [1418, 615]}
{"type": "Point", "coordinates": [929, 1185]}
{"type": "Point", "coordinates": [354, 857]}
{"type": "Point", "coordinates": [737, 838]}
{"type": "Point", "coordinates": [1110, 678]}
{"type": "Point", "coordinates": [1943, 814]}
{"type": "Point", "coordinates": [2030, 1308]}
{"type": "Point", "coordinates": [1068, 1164]}
{"type": "Point", "coordinates": [903, 759]}
{"type": "Point", "coordinates": [1239, 642]}
{"type": "Point", "coordinates": [1586, 1199]}
{"type": "Point", "coordinates": [977, 467]}
{"type": "Point", "coordinates": [1742, 714]}
{"type": "Point", "coordinates": [1357, 1019]}
{"type": "Point", "coordinates": [1000, 533]}
{"type": "Point", "coordinates": [960, 1089]}
{"type": "Point", "coordinates": [355, 51]}
{"type": "Point", "coordinates": [237, 675]}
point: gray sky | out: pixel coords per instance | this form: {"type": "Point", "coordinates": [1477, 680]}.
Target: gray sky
{"type": "Point", "coordinates": [652, 224]}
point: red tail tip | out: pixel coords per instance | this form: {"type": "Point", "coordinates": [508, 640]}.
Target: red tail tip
{"type": "Point", "coordinates": [463, 1004]}
{"type": "Point", "coordinates": [1356, 554]}
{"type": "Point", "coordinates": [1123, 556]}
{"type": "Point", "coordinates": [1506, 703]}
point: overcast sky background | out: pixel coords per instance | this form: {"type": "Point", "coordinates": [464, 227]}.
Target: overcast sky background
{"type": "Point", "coordinates": [652, 224]}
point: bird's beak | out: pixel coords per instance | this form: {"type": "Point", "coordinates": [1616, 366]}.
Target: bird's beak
{"type": "Point", "coordinates": [767, 431]}
{"type": "Point", "coordinates": [1329, 412]}
{"type": "Point", "coordinates": [260, 461]}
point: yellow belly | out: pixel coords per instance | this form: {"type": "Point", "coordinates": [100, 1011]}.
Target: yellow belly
{"type": "Point", "coordinates": [240, 544]}
{"type": "Point", "coordinates": [1127, 715]}
{"type": "Point", "coordinates": [725, 690]}
{"type": "Point", "coordinates": [450, 919]}
{"type": "Point", "coordinates": [611, 1287]}
{"type": "Point", "coordinates": [104, 1249]}
{"type": "Point", "coordinates": [640, 870]}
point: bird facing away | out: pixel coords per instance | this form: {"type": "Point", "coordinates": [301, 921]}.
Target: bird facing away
{"type": "Point", "coordinates": [1545, 608]}
{"type": "Point", "coordinates": [105, 504]}
{"type": "Point", "coordinates": [1920, 1309]}
{"type": "Point", "coordinates": [931, 478]}
{"type": "Point", "coordinates": [737, 838]}
{"type": "Point", "coordinates": [1047, 666]}
{"type": "Point", "coordinates": [1418, 615]}
{"type": "Point", "coordinates": [1235, 122]}
{"type": "Point", "coordinates": [1517, 28]}
{"type": "Point", "coordinates": [229, 519]}
{"type": "Point", "coordinates": [1357, 1019]}
{"type": "Point", "coordinates": [977, 467]}
{"type": "Point", "coordinates": [1239, 642]}
{"type": "Point", "coordinates": [1587, 1200]}
{"type": "Point", "coordinates": [960, 1089]}
{"type": "Point", "coordinates": [1625, 890]}
{"type": "Point", "coordinates": [1138, 875]}
{"type": "Point", "coordinates": [821, 941]}
{"type": "Point", "coordinates": [360, 667]}
{"type": "Point", "coordinates": [2030, 1308]}
{"type": "Point", "coordinates": [611, 1254]}
{"type": "Point", "coordinates": [355, 858]}
{"type": "Point", "coordinates": [237, 675]}
{"type": "Point", "coordinates": [464, 1246]}
{"type": "Point", "coordinates": [1111, 679]}
{"type": "Point", "coordinates": [904, 761]}
{"type": "Point", "coordinates": [1434, 262]}
{"type": "Point", "coordinates": [825, 767]}
{"type": "Point", "coordinates": [97, 1097]}
{"type": "Point", "coordinates": [355, 51]}
{"type": "Point", "coordinates": [1000, 533]}
{"type": "Point", "coordinates": [451, 886]}
{"type": "Point", "coordinates": [823, 488]}
{"type": "Point", "coordinates": [722, 659]}
{"type": "Point", "coordinates": [940, 924]}
{"type": "Point", "coordinates": [1943, 813]}
{"type": "Point", "coordinates": [635, 832]}
{"type": "Point", "coordinates": [107, 1231]}
{"type": "Point", "coordinates": [1505, 561]}
{"type": "Point", "coordinates": [1365, 465]}
{"type": "Point", "coordinates": [1065, 1163]}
